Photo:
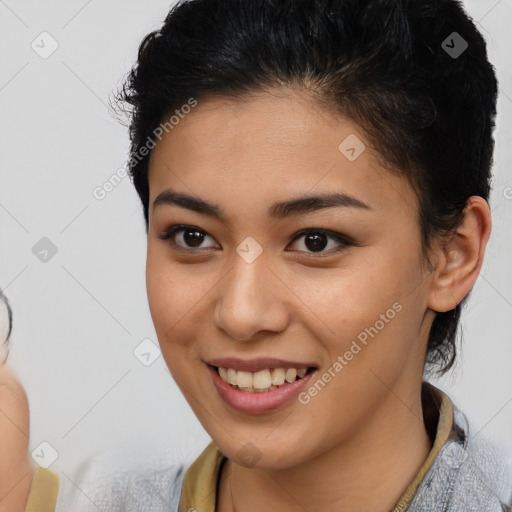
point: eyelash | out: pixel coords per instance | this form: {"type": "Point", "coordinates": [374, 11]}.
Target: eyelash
{"type": "Point", "coordinates": [342, 240]}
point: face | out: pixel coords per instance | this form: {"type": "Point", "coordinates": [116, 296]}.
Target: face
{"type": "Point", "coordinates": [335, 286]}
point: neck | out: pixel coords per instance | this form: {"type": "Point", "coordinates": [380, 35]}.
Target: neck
{"type": "Point", "coordinates": [369, 471]}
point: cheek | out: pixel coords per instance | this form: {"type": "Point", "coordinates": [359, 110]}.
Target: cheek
{"type": "Point", "coordinates": [167, 297]}
{"type": "Point", "coordinates": [177, 300]}
{"type": "Point", "coordinates": [348, 302]}
{"type": "Point", "coordinates": [168, 305]}
{"type": "Point", "coordinates": [371, 310]}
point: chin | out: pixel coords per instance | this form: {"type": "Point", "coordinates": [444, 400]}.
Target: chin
{"type": "Point", "coordinates": [262, 454]}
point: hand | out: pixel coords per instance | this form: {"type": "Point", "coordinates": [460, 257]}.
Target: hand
{"type": "Point", "coordinates": [16, 469]}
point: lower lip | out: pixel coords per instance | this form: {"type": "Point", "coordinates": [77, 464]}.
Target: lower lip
{"type": "Point", "coordinates": [258, 403]}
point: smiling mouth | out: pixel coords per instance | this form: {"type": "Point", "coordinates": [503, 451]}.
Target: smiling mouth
{"type": "Point", "coordinates": [262, 381]}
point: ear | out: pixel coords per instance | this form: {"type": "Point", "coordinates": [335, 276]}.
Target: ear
{"type": "Point", "coordinates": [459, 260]}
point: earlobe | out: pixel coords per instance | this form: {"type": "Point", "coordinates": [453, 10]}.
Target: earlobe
{"type": "Point", "coordinates": [460, 259]}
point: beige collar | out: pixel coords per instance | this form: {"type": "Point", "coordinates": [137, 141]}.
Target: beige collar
{"type": "Point", "coordinates": [199, 489]}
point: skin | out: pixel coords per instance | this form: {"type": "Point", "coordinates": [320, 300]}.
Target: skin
{"type": "Point", "coordinates": [298, 304]}
{"type": "Point", "coordinates": [16, 470]}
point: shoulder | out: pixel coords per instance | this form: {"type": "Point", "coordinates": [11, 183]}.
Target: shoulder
{"type": "Point", "coordinates": [144, 489]}
{"type": "Point", "coordinates": [107, 486]}
{"type": "Point", "coordinates": [470, 474]}
{"type": "Point", "coordinates": [484, 476]}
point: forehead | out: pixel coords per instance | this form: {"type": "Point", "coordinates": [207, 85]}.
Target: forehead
{"type": "Point", "coordinates": [271, 144]}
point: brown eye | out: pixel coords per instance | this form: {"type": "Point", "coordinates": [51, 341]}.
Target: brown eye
{"type": "Point", "coordinates": [190, 238]}
{"type": "Point", "coordinates": [185, 237]}
{"type": "Point", "coordinates": [317, 240]}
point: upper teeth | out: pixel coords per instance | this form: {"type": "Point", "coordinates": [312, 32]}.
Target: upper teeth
{"type": "Point", "coordinates": [263, 379]}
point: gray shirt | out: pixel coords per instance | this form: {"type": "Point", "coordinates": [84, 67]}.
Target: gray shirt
{"type": "Point", "coordinates": [468, 475]}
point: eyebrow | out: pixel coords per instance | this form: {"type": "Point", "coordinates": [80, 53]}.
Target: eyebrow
{"type": "Point", "coordinates": [304, 204]}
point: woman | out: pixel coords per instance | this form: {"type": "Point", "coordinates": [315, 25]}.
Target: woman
{"type": "Point", "coordinates": [315, 177]}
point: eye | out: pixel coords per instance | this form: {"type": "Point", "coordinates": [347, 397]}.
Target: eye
{"type": "Point", "coordinates": [191, 237]}
{"type": "Point", "coordinates": [316, 240]}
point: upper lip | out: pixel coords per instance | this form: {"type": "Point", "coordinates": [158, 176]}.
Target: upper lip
{"type": "Point", "coordinates": [257, 364]}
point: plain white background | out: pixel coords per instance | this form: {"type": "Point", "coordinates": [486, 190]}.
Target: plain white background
{"type": "Point", "coordinates": [79, 316]}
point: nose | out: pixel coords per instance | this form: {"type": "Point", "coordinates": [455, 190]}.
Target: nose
{"type": "Point", "coordinates": [251, 299]}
